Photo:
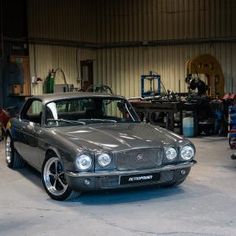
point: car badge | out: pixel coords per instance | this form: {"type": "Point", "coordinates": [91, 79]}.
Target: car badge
{"type": "Point", "coordinates": [139, 157]}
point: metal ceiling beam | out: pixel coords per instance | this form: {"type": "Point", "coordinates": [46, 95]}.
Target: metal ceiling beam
{"type": "Point", "coordinates": [91, 45]}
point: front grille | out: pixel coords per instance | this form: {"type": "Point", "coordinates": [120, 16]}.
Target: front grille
{"type": "Point", "coordinates": [137, 159]}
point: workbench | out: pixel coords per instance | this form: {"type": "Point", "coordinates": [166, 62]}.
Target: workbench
{"type": "Point", "coordinates": [170, 109]}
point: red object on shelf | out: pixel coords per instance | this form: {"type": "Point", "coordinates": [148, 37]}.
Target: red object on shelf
{"type": "Point", "coordinates": [231, 96]}
{"type": "Point", "coordinates": [4, 117]}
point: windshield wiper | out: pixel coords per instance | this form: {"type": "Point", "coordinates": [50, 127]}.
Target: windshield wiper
{"type": "Point", "coordinates": [104, 120]}
{"type": "Point", "coordinates": [67, 121]}
{"type": "Point", "coordinates": [99, 120]}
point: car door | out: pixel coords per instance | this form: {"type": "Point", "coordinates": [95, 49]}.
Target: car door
{"type": "Point", "coordinates": [30, 129]}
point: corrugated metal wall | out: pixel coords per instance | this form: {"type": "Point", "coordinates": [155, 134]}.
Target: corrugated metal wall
{"type": "Point", "coordinates": [151, 20]}
{"type": "Point", "coordinates": [44, 58]}
{"type": "Point", "coordinates": [106, 21]}
{"type": "Point", "coordinates": [121, 68]}
{"type": "Point", "coordinates": [62, 20]}
{"type": "Point", "coordinates": [140, 20]}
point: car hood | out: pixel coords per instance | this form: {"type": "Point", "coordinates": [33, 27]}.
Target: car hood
{"type": "Point", "coordinates": [117, 137]}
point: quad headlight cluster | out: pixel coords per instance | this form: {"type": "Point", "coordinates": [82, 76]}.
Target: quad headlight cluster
{"type": "Point", "coordinates": [104, 160]}
{"type": "Point", "coordinates": [171, 153]}
{"type": "Point", "coordinates": [186, 153]}
{"type": "Point", "coordinates": [84, 162]}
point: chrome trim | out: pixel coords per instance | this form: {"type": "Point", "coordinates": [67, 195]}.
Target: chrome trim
{"type": "Point", "coordinates": [131, 172]}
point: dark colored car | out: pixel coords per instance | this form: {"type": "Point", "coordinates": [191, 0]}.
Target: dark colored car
{"type": "Point", "coordinates": [89, 141]}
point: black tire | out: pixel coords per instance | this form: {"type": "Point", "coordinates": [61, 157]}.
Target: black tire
{"type": "Point", "coordinates": [13, 159]}
{"type": "Point", "coordinates": [232, 142]}
{"type": "Point", "coordinates": [54, 181]}
{"type": "Point", "coordinates": [1, 132]}
{"type": "Point", "coordinates": [233, 156]}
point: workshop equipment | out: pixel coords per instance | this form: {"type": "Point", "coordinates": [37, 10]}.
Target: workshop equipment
{"type": "Point", "coordinates": [188, 126]}
{"type": "Point", "coordinates": [209, 66]}
{"type": "Point", "coordinates": [169, 110]}
{"type": "Point", "coordinates": [153, 83]}
{"type": "Point", "coordinates": [50, 85]}
{"type": "Point", "coordinates": [49, 82]}
{"type": "Point", "coordinates": [232, 127]}
{"type": "Point", "coordinates": [161, 107]}
{"type": "Point", "coordinates": [99, 88]}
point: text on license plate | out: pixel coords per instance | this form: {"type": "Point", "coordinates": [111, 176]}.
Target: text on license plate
{"type": "Point", "coordinates": [139, 178]}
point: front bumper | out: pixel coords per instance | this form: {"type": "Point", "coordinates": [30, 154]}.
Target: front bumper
{"type": "Point", "coordinates": [85, 181]}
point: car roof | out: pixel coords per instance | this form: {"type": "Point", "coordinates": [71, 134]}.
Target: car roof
{"type": "Point", "coordinates": [67, 95]}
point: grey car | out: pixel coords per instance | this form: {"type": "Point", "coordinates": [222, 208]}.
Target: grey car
{"type": "Point", "coordinates": [92, 141]}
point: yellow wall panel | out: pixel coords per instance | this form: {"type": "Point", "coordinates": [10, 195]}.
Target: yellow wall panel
{"type": "Point", "coordinates": [122, 68]}
{"type": "Point", "coordinates": [65, 20]}
{"type": "Point", "coordinates": [141, 20]}
{"type": "Point", "coordinates": [44, 58]}
{"type": "Point", "coordinates": [106, 21]}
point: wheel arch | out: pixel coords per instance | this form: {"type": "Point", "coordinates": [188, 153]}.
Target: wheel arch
{"type": "Point", "coordinates": [67, 192]}
{"type": "Point", "coordinates": [66, 155]}
{"type": "Point", "coordinates": [52, 151]}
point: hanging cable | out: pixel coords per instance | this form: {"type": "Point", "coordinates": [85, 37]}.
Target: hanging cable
{"type": "Point", "coordinates": [63, 75]}
{"type": "Point", "coordinates": [77, 64]}
{"type": "Point", "coordinates": [35, 66]}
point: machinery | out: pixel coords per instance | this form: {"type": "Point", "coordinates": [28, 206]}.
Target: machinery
{"type": "Point", "coordinates": [51, 87]}
{"type": "Point", "coordinates": [210, 67]}
{"type": "Point", "coordinates": [150, 85]}
{"type": "Point", "coordinates": [169, 109]}
{"type": "Point", "coordinates": [232, 127]}
{"type": "Point", "coordinates": [99, 88]}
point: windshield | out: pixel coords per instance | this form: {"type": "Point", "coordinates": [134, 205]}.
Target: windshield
{"type": "Point", "coordinates": [82, 111]}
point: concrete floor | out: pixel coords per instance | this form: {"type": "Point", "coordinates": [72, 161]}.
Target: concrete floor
{"type": "Point", "coordinates": [205, 204]}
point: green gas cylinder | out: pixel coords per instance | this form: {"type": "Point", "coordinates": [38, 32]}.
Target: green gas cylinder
{"type": "Point", "coordinates": [49, 82]}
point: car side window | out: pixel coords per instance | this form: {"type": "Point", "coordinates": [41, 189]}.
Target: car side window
{"type": "Point", "coordinates": [116, 108]}
{"type": "Point", "coordinates": [34, 112]}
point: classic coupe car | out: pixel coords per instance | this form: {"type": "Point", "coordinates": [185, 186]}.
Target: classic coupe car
{"type": "Point", "coordinates": [92, 141]}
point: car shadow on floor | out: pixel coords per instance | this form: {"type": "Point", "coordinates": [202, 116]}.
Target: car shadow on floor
{"type": "Point", "coordinates": [129, 195]}
{"type": "Point", "coordinates": [31, 174]}
{"type": "Point", "coordinates": [106, 197]}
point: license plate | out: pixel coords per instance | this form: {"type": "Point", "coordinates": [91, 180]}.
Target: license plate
{"type": "Point", "coordinates": [131, 179]}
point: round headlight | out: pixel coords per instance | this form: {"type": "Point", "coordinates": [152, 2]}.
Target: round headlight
{"type": "Point", "coordinates": [171, 153]}
{"type": "Point", "coordinates": [84, 162]}
{"type": "Point", "coordinates": [104, 160]}
{"type": "Point", "coordinates": [187, 153]}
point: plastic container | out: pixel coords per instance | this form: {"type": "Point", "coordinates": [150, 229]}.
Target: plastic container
{"type": "Point", "coordinates": [188, 127]}
{"type": "Point", "coordinates": [232, 127]}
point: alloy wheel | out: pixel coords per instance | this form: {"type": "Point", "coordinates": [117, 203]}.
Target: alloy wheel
{"type": "Point", "coordinates": [54, 177]}
{"type": "Point", "coordinates": [8, 150]}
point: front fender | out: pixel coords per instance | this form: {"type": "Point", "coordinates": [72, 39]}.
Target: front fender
{"type": "Point", "coordinates": [67, 157]}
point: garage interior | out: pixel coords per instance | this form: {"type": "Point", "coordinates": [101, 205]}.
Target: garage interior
{"type": "Point", "coordinates": [151, 52]}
